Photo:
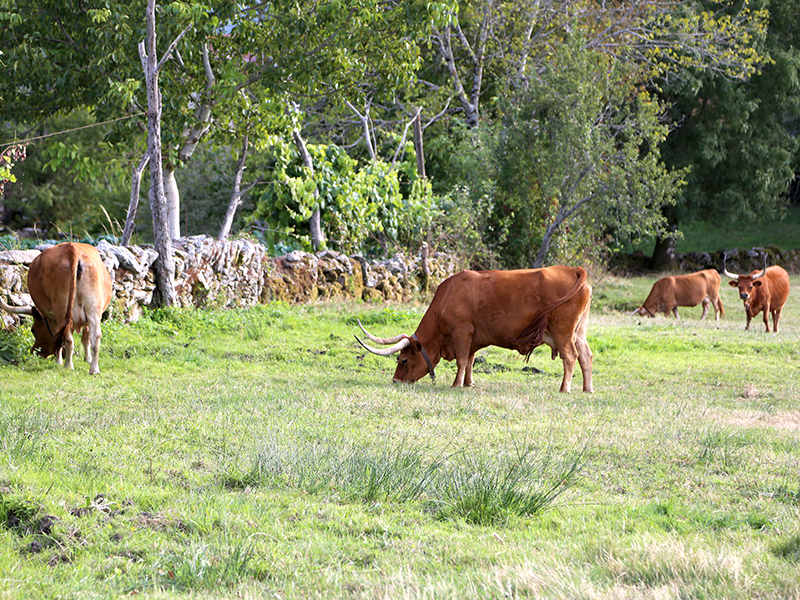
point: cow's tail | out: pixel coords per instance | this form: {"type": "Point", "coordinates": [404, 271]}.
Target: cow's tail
{"type": "Point", "coordinates": [76, 272]}
{"type": "Point", "coordinates": [533, 335]}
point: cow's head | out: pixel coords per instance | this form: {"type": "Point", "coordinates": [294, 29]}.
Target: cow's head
{"type": "Point", "coordinates": [643, 311]}
{"type": "Point", "coordinates": [746, 284]}
{"type": "Point", "coordinates": [43, 342]}
{"type": "Point", "coordinates": [42, 335]}
{"type": "Point", "coordinates": [413, 362]}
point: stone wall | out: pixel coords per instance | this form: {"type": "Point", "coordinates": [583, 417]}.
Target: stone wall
{"type": "Point", "coordinates": [739, 261]}
{"type": "Point", "coordinates": [239, 273]}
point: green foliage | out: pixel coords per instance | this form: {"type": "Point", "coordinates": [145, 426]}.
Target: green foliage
{"type": "Point", "coordinates": [361, 205]}
{"type": "Point", "coordinates": [13, 347]}
{"type": "Point", "coordinates": [573, 166]}
{"type": "Point", "coordinates": [69, 184]}
{"type": "Point", "coordinates": [737, 138]}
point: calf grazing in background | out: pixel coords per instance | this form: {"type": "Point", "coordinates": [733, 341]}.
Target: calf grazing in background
{"type": "Point", "coordinates": [70, 288]}
{"type": "Point", "coordinates": [669, 293]}
{"type": "Point", "coordinates": [519, 310]}
{"type": "Point", "coordinates": [766, 290]}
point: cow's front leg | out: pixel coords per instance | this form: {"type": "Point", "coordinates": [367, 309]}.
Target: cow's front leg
{"type": "Point", "coordinates": [675, 312]}
{"type": "Point", "coordinates": [462, 342]}
{"type": "Point", "coordinates": [463, 364]}
{"type": "Point", "coordinates": [766, 317]}
{"type": "Point", "coordinates": [468, 372]}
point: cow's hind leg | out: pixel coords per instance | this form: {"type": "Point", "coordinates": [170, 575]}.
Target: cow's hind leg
{"type": "Point", "coordinates": [569, 355]}
{"type": "Point", "coordinates": [87, 354]}
{"type": "Point", "coordinates": [585, 356]}
{"type": "Point", "coordinates": [94, 334]}
{"type": "Point", "coordinates": [706, 305]}
{"type": "Point", "coordinates": [776, 317]}
{"type": "Point", "coordinates": [563, 345]}
{"type": "Point", "coordinates": [68, 349]}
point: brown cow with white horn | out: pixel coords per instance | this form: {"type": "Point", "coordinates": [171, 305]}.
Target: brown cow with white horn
{"type": "Point", "coordinates": [766, 290]}
{"type": "Point", "coordinates": [70, 288]}
{"type": "Point", "coordinates": [670, 292]}
{"type": "Point", "coordinates": [519, 310]}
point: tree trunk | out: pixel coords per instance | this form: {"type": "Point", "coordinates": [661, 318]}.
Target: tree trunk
{"type": "Point", "coordinates": [173, 198]}
{"type": "Point", "coordinates": [315, 223]}
{"type": "Point", "coordinates": [664, 253]}
{"type": "Point", "coordinates": [418, 143]}
{"type": "Point", "coordinates": [165, 267]}
{"type": "Point", "coordinates": [133, 206]}
{"type": "Point", "coordinates": [236, 193]}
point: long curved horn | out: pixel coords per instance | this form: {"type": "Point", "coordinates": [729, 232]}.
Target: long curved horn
{"type": "Point", "coordinates": [17, 310]}
{"type": "Point", "coordinates": [763, 272]}
{"type": "Point", "coordinates": [404, 343]}
{"type": "Point", "coordinates": [377, 340]}
{"type": "Point", "coordinates": [725, 268]}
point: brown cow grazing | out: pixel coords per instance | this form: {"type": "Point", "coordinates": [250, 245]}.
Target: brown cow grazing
{"type": "Point", "coordinates": [70, 287]}
{"type": "Point", "coordinates": [766, 290]}
{"type": "Point", "coordinates": [669, 293]}
{"type": "Point", "coordinates": [519, 310]}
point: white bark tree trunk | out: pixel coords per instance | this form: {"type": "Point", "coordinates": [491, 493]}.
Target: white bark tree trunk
{"type": "Point", "coordinates": [173, 198]}
{"type": "Point", "coordinates": [236, 193]}
{"type": "Point", "coordinates": [315, 223]}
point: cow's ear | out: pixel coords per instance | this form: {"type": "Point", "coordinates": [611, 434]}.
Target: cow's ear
{"type": "Point", "coordinates": [733, 283]}
{"type": "Point", "coordinates": [757, 283]}
{"type": "Point", "coordinates": [417, 346]}
{"type": "Point", "coordinates": [37, 316]}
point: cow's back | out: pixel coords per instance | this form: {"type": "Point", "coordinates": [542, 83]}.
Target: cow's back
{"type": "Point", "coordinates": [778, 281]}
{"type": "Point", "coordinates": [694, 287]}
{"type": "Point", "coordinates": [499, 305]}
{"type": "Point", "coordinates": [50, 273]}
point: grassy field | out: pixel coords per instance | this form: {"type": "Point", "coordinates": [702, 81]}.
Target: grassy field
{"type": "Point", "coordinates": [712, 237]}
{"type": "Point", "coordinates": [261, 454]}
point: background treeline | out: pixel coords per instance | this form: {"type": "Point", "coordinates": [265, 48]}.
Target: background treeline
{"type": "Point", "coordinates": [515, 134]}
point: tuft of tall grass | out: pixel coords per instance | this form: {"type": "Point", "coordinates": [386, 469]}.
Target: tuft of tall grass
{"type": "Point", "coordinates": [722, 449]}
{"type": "Point", "coordinates": [478, 487]}
{"type": "Point", "coordinates": [22, 433]}
{"type": "Point", "coordinates": [199, 566]}
{"type": "Point", "coordinates": [487, 490]}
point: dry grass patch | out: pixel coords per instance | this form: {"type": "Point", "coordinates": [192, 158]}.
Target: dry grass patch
{"type": "Point", "coordinates": [788, 420]}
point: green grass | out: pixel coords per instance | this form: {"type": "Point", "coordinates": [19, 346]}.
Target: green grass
{"type": "Point", "coordinates": [261, 453]}
{"type": "Point", "coordinates": [699, 236]}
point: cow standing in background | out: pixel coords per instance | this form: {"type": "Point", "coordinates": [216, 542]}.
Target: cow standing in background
{"type": "Point", "coordinates": [669, 293]}
{"type": "Point", "coordinates": [519, 310]}
{"type": "Point", "coordinates": [766, 290]}
{"type": "Point", "coordinates": [70, 288]}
